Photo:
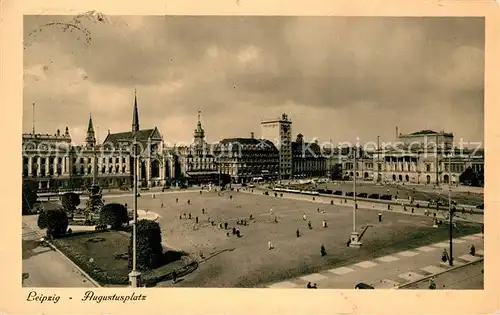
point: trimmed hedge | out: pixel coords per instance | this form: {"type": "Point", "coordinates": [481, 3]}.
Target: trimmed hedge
{"type": "Point", "coordinates": [114, 214]}
{"type": "Point", "coordinates": [149, 247]}
{"type": "Point", "coordinates": [55, 221]}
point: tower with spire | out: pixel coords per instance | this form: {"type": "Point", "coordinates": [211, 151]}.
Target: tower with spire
{"type": "Point", "coordinates": [90, 140]}
{"type": "Point", "coordinates": [199, 133]}
{"type": "Point", "coordinates": [135, 119]}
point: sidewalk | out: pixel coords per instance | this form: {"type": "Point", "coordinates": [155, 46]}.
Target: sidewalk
{"type": "Point", "coordinates": [390, 272]}
{"type": "Point", "coordinates": [44, 267]}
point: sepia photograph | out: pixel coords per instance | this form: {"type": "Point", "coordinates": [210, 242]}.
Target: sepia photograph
{"type": "Point", "coordinates": [271, 152]}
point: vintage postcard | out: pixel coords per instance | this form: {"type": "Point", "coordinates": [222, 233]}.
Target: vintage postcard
{"type": "Point", "coordinates": [171, 153]}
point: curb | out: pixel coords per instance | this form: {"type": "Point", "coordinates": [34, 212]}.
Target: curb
{"type": "Point", "coordinates": [89, 278]}
{"type": "Point", "coordinates": [439, 273]}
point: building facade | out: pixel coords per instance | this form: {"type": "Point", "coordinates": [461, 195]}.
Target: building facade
{"type": "Point", "coordinates": [279, 132]}
{"type": "Point", "coordinates": [247, 159]}
{"type": "Point", "coordinates": [195, 163]}
{"type": "Point", "coordinates": [417, 159]}
{"type": "Point", "coordinates": [54, 162]}
{"type": "Point", "coordinates": [308, 159]}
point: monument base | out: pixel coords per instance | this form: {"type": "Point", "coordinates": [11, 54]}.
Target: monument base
{"type": "Point", "coordinates": [134, 278]}
{"type": "Point", "coordinates": [354, 240]}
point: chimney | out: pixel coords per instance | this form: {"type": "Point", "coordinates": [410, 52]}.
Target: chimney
{"type": "Point", "coordinates": [252, 135]}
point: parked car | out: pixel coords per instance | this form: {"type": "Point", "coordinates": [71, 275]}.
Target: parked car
{"type": "Point", "coordinates": [362, 195]}
{"type": "Point", "coordinates": [338, 192]}
{"type": "Point", "coordinates": [329, 191]}
{"type": "Point", "coordinates": [362, 285]}
{"type": "Point", "coordinates": [386, 197]}
{"type": "Point", "coordinates": [349, 194]}
{"type": "Point", "coordinates": [374, 196]}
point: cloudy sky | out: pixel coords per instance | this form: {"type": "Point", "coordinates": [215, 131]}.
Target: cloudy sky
{"type": "Point", "coordinates": [337, 78]}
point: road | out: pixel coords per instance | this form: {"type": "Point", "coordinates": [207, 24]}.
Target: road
{"type": "Point", "coordinates": [468, 277]}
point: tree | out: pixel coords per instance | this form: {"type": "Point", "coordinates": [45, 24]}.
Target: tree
{"type": "Point", "coordinates": [149, 247]}
{"type": "Point", "coordinates": [29, 195]}
{"type": "Point", "coordinates": [70, 201]}
{"type": "Point", "coordinates": [471, 177]}
{"type": "Point", "coordinates": [55, 221]}
{"type": "Point", "coordinates": [336, 172]}
{"type": "Point", "coordinates": [113, 214]}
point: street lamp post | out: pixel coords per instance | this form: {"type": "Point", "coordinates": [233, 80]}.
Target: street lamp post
{"type": "Point", "coordinates": [450, 210]}
{"type": "Point", "coordinates": [354, 240]}
{"type": "Point", "coordinates": [134, 275]}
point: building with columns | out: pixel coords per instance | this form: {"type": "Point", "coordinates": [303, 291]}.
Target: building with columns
{"type": "Point", "coordinates": [279, 132]}
{"type": "Point", "coordinates": [424, 157]}
{"type": "Point", "coordinates": [54, 162]}
{"type": "Point", "coordinates": [194, 163]}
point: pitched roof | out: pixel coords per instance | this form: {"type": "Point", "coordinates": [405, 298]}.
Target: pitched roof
{"type": "Point", "coordinates": [248, 143]}
{"type": "Point", "coordinates": [141, 136]}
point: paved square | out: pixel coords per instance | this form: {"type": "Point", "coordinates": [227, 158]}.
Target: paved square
{"type": "Point", "coordinates": [426, 249]}
{"type": "Point", "coordinates": [366, 264]}
{"type": "Point", "coordinates": [447, 264]}
{"type": "Point", "coordinates": [388, 258]}
{"type": "Point", "coordinates": [313, 277]}
{"type": "Point", "coordinates": [284, 285]}
{"type": "Point", "coordinates": [433, 269]}
{"type": "Point", "coordinates": [469, 258]}
{"type": "Point", "coordinates": [458, 241]}
{"type": "Point", "coordinates": [341, 270]}
{"type": "Point", "coordinates": [411, 276]}
{"type": "Point", "coordinates": [408, 254]}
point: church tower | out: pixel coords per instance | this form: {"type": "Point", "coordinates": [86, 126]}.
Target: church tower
{"type": "Point", "coordinates": [90, 139]}
{"type": "Point", "coordinates": [135, 119]}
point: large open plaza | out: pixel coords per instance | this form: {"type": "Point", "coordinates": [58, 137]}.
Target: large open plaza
{"type": "Point", "coordinates": [246, 261]}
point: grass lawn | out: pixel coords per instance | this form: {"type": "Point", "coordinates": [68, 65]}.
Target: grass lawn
{"type": "Point", "coordinates": [247, 262]}
{"type": "Point", "coordinates": [96, 254]}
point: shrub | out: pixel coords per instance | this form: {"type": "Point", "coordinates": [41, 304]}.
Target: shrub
{"type": "Point", "coordinates": [114, 214]}
{"type": "Point", "coordinates": [149, 247]}
{"type": "Point", "coordinates": [55, 221]}
{"type": "Point", "coordinates": [70, 201]}
{"type": "Point", "coordinates": [29, 195]}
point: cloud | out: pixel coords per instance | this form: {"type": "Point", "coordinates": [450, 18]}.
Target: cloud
{"type": "Point", "coordinates": [338, 77]}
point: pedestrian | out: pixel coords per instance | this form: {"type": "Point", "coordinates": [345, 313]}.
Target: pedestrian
{"type": "Point", "coordinates": [189, 201]}
{"type": "Point", "coordinates": [231, 197]}
{"type": "Point", "coordinates": [323, 211]}
{"type": "Point", "coordinates": [154, 196]}
{"type": "Point", "coordinates": [314, 286]}
{"type": "Point", "coordinates": [251, 216]}
{"type": "Point", "coordinates": [404, 208]}
{"type": "Point", "coordinates": [161, 204]}
{"type": "Point", "coordinates": [196, 219]}
{"type": "Point", "coordinates": [180, 217]}
{"type": "Point", "coordinates": [472, 250]}
{"type": "Point", "coordinates": [200, 192]}
{"type": "Point", "coordinates": [297, 233]}
{"type": "Point", "coordinates": [323, 250]}
{"type": "Point", "coordinates": [275, 219]}
{"type": "Point", "coordinates": [225, 225]}
{"type": "Point", "coordinates": [176, 200]}
{"type": "Point", "coordinates": [380, 217]}
{"type": "Point", "coordinates": [184, 215]}
{"type": "Point", "coordinates": [324, 224]}
{"type": "Point", "coordinates": [304, 217]}
{"type": "Point", "coordinates": [189, 215]}
{"type": "Point", "coordinates": [203, 211]}
{"type": "Point", "coordinates": [309, 286]}
{"type": "Point", "coordinates": [412, 210]}
{"type": "Point", "coordinates": [434, 214]}
{"type": "Point", "coordinates": [271, 211]}
{"type": "Point", "coordinates": [444, 256]}
{"type": "Point", "coordinates": [426, 212]}
{"type": "Point", "coordinates": [309, 225]}
{"type": "Point", "coordinates": [432, 284]}
{"type": "Point", "coordinates": [234, 231]}
{"type": "Point", "coordinates": [270, 245]}
{"type": "Point", "coordinates": [318, 210]}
